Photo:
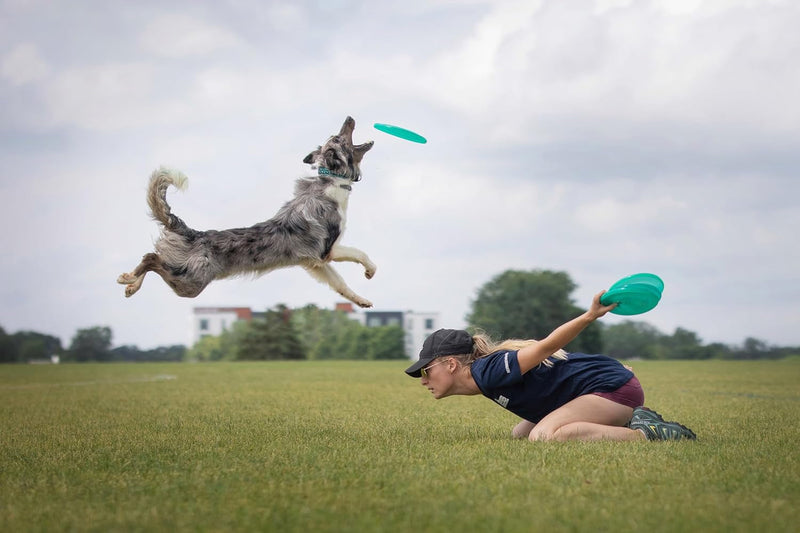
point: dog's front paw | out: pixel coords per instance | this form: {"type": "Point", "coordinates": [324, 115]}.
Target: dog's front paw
{"type": "Point", "coordinates": [369, 271]}
{"type": "Point", "coordinates": [363, 303]}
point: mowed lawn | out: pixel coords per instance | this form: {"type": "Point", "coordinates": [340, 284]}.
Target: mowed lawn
{"type": "Point", "coordinates": [359, 446]}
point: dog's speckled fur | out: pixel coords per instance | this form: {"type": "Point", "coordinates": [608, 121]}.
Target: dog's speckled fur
{"type": "Point", "coordinates": [305, 231]}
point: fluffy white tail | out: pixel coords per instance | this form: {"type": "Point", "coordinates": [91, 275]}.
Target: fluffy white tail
{"type": "Point", "coordinates": [160, 181]}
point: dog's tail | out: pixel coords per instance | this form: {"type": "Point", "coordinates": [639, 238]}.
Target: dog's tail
{"type": "Point", "coordinates": [160, 181]}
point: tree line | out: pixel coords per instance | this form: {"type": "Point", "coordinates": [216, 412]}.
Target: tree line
{"type": "Point", "coordinates": [305, 333]}
{"type": "Point", "coordinates": [513, 304]}
{"type": "Point", "coordinates": [280, 334]}
{"type": "Point", "coordinates": [531, 304]}
{"type": "Point", "coordinates": [90, 344]}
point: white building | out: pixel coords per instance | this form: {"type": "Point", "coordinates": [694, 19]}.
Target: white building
{"type": "Point", "coordinates": [214, 320]}
{"type": "Point", "coordinates": [416, 326]}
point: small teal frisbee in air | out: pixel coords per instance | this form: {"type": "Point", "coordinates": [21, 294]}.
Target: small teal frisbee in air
{"type": "Point", "coordinates": [403, 133]}
{"type": "Point", "coordinates": [634, 294]}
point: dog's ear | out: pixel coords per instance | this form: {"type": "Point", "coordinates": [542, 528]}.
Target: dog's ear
{"type": "Point", "coordinates": [313, 155]}
{"type": "Point", "coordinates": [360, 150]}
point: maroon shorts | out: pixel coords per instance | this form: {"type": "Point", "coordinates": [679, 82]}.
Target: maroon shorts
{"type": "Point", "coordinates": [630, 394]}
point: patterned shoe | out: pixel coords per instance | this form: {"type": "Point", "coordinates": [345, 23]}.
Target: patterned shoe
{"type": "Point", "coordinates": [644, 414]}
{"type": "Point", "coordinates": [661, 430]}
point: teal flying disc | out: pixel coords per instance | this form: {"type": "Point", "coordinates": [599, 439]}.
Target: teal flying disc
{"type": "Point", "coordinates": [403, 133]}
{"type": "Point", "coordinates": [634, 294]}
{"type": "Point", "coordinates": [643, 278]}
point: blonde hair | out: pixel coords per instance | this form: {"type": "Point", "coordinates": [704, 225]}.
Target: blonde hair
{"type": "Point", "coordinates": [483, 346]}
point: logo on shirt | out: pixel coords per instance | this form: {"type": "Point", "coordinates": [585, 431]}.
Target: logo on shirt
{"type": "Point", "coordinates": [502, 400]}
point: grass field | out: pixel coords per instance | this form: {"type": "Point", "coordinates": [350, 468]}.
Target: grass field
{"type": "Point", "coordinates": [358, 446]}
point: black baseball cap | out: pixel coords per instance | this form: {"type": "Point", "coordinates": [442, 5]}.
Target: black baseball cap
{"type": "Point", "coordinates": [441, 342]}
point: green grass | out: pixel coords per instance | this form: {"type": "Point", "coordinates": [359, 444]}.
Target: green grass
{"type": "Point", "coordinates": [358, 446]}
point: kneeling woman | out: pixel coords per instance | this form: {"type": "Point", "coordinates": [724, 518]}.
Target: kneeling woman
{"type": "Point", "coordinates": [559, 396]}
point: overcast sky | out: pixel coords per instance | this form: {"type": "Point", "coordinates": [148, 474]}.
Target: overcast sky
{"type": "Point", "coordinates": [600, 138]}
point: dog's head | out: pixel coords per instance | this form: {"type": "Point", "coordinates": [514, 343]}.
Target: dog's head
{"type": "Point", "coordinates": [338, 154]}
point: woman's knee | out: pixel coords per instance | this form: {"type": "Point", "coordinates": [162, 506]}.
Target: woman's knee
{"type": "Point", "coordinates": [541, 432]}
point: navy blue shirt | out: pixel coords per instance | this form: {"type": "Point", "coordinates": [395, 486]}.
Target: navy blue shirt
{"type": "Point", "coordinates": [544, 389]}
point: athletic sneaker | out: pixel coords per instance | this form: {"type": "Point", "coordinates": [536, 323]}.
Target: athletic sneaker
{"type": "Point", "coordinates": [662, 430]}
{"type": "Point", "coordinates": [645, 414]}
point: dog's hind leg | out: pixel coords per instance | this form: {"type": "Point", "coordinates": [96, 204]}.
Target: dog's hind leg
{"type": "Point", "coordinates": [132, 284]}
{"type": "Point", "coordinates": [133, 280]}
{"type": "Point", "coordinates": [348, 253]}
{"type": "Point", "coordinates": [326, 274]}
{"type": "Point", "coordinates": [182, 283]}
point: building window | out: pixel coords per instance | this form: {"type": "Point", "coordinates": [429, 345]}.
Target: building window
{"type": "Point", "coordinates": [374, 322]}
{"type": "Point", "coordinates": [428, 323]}
{"type": "Point", "coordinates": [203, 324]}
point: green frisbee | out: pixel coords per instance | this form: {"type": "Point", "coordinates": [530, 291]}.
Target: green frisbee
{"type": "Point", "coordinates": [403, 133]}
{"type": "Point", "coordinates": [634, 294]}
{"type": "Point", "coordinates": [642, 278]}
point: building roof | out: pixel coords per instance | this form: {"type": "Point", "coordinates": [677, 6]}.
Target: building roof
{"type": "Point", "coordinates": [242, 313]}
{"type": "Point", "coordinates": [346, 307]}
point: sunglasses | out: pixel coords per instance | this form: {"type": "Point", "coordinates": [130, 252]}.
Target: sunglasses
{"type": "Point", "coordinates": [424, 371]}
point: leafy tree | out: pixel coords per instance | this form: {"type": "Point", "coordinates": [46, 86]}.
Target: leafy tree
{"type": "Point", "coordinates": [175, 352]}
{"type": "Point", "coordinates": [717, 350]}
{"type": "Point", "coordinates": [684, 344]}
{"type": "Point", "coordinates": [126, 352]}
{"type": "Point", "coordinates": [386, 342]}
{"type": "Point", "coordinates": [208, 348]}
{"type": "Point", "coordinates": [327, 334]}
{"type": "Point", "coordinates": [313, 322]}
{"type": "Point", "coordinates": [91, 344]}
{"type": "Point", "coordinates": [221, 347]}
{"type": "Point", "coordinates": [752, 348]}
{"type": "Point", "coordinates": [8, 349]}
{"type": "Point", "coordinates": [323, 331]}
{"type": "Point", "coordinates": [530, 304]}
{"type": "Point", "coordinates": [755, 348]}
{"type": "Point", "coordinates": [32, 345]}
{"type": "Point", "coordinates": [631, 340]}
{"type": "Point", "coordinates": [319, 330]}
{"type": "Point", "coordinates": [349, 341]}
{"type": "Point", "coordinates": [779, 352]}
{"type": "Point", "coordinates": [32, 348]}
{"type": "Point", "coordinates": [131, 353]}
{"type": "Point", "coordinates": [271, 337]}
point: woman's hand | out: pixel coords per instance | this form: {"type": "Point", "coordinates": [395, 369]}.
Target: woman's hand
{"type": "Point", "coordinates": [596, 310]}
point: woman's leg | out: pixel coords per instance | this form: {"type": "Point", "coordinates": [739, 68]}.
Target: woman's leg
{"type": "Point", "coordinates": [588, 417]}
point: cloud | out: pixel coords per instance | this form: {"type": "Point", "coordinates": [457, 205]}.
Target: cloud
{"type": "Point", "coordinates": [104, 97]}
{"type": "Point", "coordinates": [546, 70]}
{"type": "Point", "coordinates": [23, 64]}
{"type": "Point", "coordinates": [176, 36]}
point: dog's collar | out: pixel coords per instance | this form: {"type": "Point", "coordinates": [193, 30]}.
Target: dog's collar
{"type": "Point", "coordinates": [326, 172]}
{"type": "Point", "coordinates": [322, 171]}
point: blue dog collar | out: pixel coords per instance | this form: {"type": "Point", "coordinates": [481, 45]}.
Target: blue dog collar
{"type": "Point", "coordinates": [326, 172]}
